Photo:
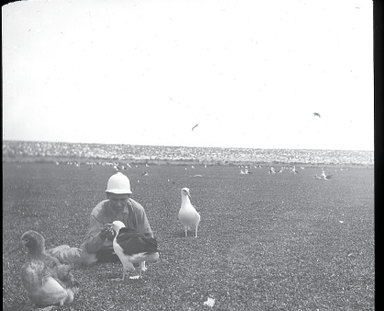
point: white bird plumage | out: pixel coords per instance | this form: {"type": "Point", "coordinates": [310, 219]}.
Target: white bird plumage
{"type": "Point", "coordinates": [188, 215]}
{"type": "Point", "coordinates": [132, 248]}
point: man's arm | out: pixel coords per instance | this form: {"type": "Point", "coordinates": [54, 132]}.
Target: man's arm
{"type": "Point", "coordinates": [93, 241]}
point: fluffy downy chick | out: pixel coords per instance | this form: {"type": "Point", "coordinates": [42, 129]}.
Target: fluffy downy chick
{"type": "Point", "coordinates": [45, 279]}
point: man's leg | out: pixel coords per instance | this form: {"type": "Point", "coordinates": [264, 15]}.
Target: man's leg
{"type": "Point", "coordinates": [67, 254]}
{"type": "Point", "coordinates": [107, 254]}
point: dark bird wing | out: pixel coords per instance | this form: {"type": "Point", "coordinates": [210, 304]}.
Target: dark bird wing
{"type": "Point", "coordinates": [194, 127]}
{"type": "Point", "coordinates": [133, 242]}
{"type": "Point", "coordinates": [317, 114]}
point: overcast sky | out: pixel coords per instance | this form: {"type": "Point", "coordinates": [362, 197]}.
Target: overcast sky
{"type": "Point", "coordinates": [249, 73]}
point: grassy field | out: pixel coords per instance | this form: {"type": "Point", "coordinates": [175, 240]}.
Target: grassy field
{"type": "Point", "coordinates": [265, 242]}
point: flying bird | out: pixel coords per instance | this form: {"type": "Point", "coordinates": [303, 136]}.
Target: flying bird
{"type": "Point", "coordinates": [188, 215]}
{"type": "Point", "coordinates": [133, 247]}
{"type": "Point", "coordinates": [316, 114]}
{"type": "Point", "coordinates": [194, 127]}
{"type": "Point", "coordinates": [46, 280]}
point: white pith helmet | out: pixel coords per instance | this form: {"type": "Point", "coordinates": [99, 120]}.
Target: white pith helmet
{"type": "Point", "coordinates": [119, 184]}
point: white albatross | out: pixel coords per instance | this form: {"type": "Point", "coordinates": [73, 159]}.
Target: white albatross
{"type": "Point", "coordinates": [188, 215]}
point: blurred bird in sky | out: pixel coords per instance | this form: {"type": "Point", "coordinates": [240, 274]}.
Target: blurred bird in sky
{"type": "Point", "coordinates": [194, 127]}
{"type": "Point", "coordinates": [188, 215]}
{"type": "Point", "coordinates": [46, 280]}
{"type": "Point", "coordinates": [316, 114]}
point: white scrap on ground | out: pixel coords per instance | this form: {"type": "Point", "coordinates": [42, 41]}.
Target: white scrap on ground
{"type": "Point", "coordinates": [210, 302]}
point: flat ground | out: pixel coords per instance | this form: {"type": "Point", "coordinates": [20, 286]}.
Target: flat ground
{"type": "Point", "coordinates": [265, 242]}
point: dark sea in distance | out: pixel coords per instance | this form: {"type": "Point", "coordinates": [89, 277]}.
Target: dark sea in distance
{"type": "Point", "coordinates": [120, 153]}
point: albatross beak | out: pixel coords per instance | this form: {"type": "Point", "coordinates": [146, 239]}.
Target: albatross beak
{"type": "Point", "coordinates": [188, 194]}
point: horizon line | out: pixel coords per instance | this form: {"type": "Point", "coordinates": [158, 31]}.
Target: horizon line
{"type": "Point", "coordinates": [177, 146]}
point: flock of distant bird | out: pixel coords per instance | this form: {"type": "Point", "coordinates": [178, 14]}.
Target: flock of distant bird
{"type": "Point", "coordinates": [244, 169]}
{"type": "Point", "coordinates": [271, 170]}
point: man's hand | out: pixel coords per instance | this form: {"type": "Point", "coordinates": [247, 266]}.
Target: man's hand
{"type": "Point", "coordinates": [107, 233]}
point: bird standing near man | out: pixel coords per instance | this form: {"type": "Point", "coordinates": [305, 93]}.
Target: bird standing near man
{"type": "Point", "coordinates": [46, 280]}
{"type": "Point", "coordinates": [133, 247]}
{"type": "Point", "coordinates": [188, 215]}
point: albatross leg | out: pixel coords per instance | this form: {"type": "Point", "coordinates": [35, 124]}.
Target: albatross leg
{"type": "Point", "coordinates": [143, 266]}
